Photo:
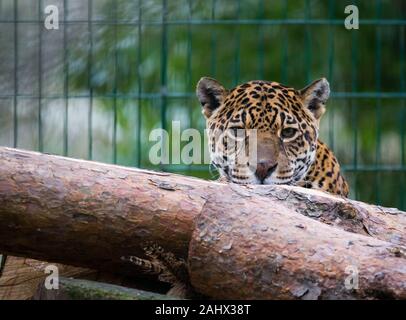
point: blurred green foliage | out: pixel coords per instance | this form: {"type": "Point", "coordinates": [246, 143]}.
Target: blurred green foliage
{"type": "Point", "coordinates": [103, 86]}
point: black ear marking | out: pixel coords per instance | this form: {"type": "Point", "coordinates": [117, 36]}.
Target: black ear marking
{"type": "Point", "coordinates": [313, 105]}
{"type": "Point", "coordinates": [210, 94]}
{"type": "Point", "coordinates": [315, 96]}
{"type": "Point", "coordinates": [212, 99]}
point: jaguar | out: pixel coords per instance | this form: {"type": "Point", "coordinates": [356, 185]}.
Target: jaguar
{"type": "Point", "coordinates": [285, 123]}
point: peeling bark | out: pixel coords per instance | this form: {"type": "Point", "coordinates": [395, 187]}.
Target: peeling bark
{"type": "Point", "coordinates": [90, 214]}
{"type": "Point", "coordinates": [257, 252]}
{"type": "Point", "coordinates": [388, 224]}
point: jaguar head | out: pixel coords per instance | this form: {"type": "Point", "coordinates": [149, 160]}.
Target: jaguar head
{"type": "Point", "coordinates": [262, 132]}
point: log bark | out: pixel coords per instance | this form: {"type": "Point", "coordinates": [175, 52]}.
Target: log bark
{"type": "Point", "coordinates": [21, 277]}
{"type": "Point", "coordinates": [254, 252]}
{"type": "Point", "coordinates": [90, 214]}
{"type": "Point", "coordinates": [74, 289]}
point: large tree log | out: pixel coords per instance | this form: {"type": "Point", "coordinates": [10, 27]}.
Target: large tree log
{"type": "Point", "coordinates": [257, 252]}
{"type": "Point", "coordinates": [73, 289]}
{"type": "Point", "coordinates": [91, 215]}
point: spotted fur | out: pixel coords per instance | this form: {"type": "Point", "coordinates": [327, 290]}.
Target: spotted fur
{"type": "Point", "coordinates": [286, 125]}
{"type": "Point", "coordinates": [167, 267]}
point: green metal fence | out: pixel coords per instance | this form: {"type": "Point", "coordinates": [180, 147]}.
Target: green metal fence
{"type": "Point", "coordinates": [116, 69]}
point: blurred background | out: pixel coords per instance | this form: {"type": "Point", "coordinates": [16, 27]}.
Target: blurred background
{"type": "Point", "coordinates": [116, 69]}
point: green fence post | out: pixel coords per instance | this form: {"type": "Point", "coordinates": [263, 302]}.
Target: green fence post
{"type": "Point", "coordinates": [403, 116]}
{"type": "Point", "coordinates": [378, 62]}
{"type": "Point", "coordinates": [213, 42]}
{"type": "Point", "coordinates": [66, 80]}
{"type": "Point", "coordinates": [139, 76]}
{"type": "Point", "coordinates": [114, 138]}
{"type": "Point", "coordinates": [15, 111]}
{"type": "Point", "coordinates": [164, 71]}
{"type": "Point", "coordinates": [40, 138]}
{"type": "Point", "coordinates": [90, 80]}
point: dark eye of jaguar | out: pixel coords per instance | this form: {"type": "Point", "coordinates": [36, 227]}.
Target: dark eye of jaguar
{"type": "Point", "coordinates": [235, 130]}
{"type": "Point", "coordinates": [236, 127]}
{"type": "Point", "coordinates": [288, 133]}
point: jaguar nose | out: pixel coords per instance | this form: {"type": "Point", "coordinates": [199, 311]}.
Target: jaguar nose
{"type": "Point", "coordinates": [265, 169]}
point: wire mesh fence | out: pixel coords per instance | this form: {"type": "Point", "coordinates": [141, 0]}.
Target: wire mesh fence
{"type": "Point", "coordinates": [114, 70]}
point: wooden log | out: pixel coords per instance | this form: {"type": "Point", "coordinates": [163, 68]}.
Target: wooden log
{"type": "Point", "coordinates": [388, 224]}
{"type": "Point", "coordinates": [90, 214]}
{"type": "Point", "coordinates": [77, 289]}
{"type": "Point", "coordinates": [257, 252]}
{"type": "Point", "coordinates": [22, 276]}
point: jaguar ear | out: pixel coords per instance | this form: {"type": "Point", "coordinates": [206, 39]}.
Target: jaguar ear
{"type": "Point", "coordinates": [315, 96]}
{"type": "Point", "coordinates": [210, 94]}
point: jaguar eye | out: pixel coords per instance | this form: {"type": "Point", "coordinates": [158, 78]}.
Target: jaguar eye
{"type": "Point", "coordinates": [288, 133]}
{"type": "Point", "coordinates": [236, 127]}
{"type": "Point", "coordinates": [235, 130]}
